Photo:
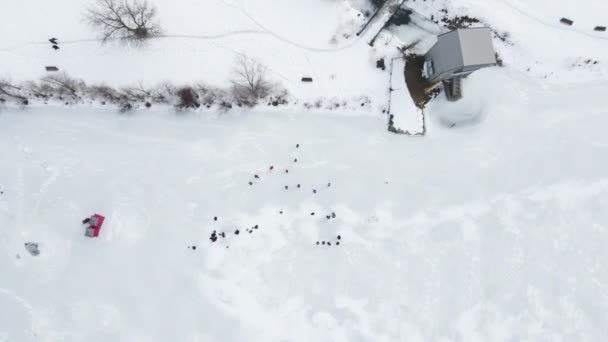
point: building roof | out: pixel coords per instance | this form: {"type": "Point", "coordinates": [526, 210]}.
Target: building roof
{"type": "Point", "coordinates": [476, 46]}
{"type": "Point", "coordinates": [464, 47]}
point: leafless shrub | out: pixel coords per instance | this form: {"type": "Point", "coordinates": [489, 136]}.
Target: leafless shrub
{"type": "Point", "coordinates": [60, 85]}
{"type": "Point", "coordinates": [135, 94]}
{"type": "Point", "coordinates": [125, 107]}
{"type": "Point", "coordinates": [225, 106]}
{"type": "Point", "coordinates": [130, 20]}
{"type": "Point", "coordinates": [250, 81]}
{"type": "Point", "coordinates": [163, 93]}
{"type": "Point", "coordinates": [210, 96]}
{"type": "Point", "coordinates": [104, 92]}
{"type": "Point", "coordinates": [9, 90]}
{"type": "Point", "coordinates": [188, 98]}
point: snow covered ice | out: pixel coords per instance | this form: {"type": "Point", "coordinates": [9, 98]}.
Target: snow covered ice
{"type": "Point", "coordinates": [480, 234]}
{"type": "Point", "coordinates": [491, 227]}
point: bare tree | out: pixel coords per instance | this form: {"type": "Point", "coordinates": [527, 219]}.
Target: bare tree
{"type": "Point", "coordinates": [132, 20]}
{"type": "Point", "coordinates": [250, 81]}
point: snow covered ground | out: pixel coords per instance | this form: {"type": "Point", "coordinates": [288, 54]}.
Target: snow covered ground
{"type": "Point", "coordinates": [202, 40]}
{"type": "Point", "coordinates": [491, 232]}
{"type": "Point", "coordinates": [405, 115]}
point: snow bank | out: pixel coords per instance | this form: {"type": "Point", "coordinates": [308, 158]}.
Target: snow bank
{"type": "Point", "coordinates": [405, 116]}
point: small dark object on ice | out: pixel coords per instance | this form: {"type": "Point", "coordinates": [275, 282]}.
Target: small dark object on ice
{"type": "Point", "coordinates": [286, 187]}
{"type": "Point", "coordinates": [194, 247]}
{"type": "Point", "coordinates": [306, 79]}
{"type": "Point", "coordinates": [250, 183]}
{"type": "Point", "coordinates": [281, 212]}
{"type": "Point", "coordinates": [600, 28]}
{"type": "Point", "coordinates": [297, 145]}
{"type": "Point", "coordinates": [339, 237]}
{"type": "Point", "coordinates": [255, 227]}
{"type": "Point", "coordinates": [298, 186]}
{"type": "Point", "coordinates": [380, 64]}
{"type": "Point", "coordinates": [32, 247]}
{"type": "Point", "coordinates": [317, 242]}
{"type": "Point", "coordinates": [323, 242]}
{"type": "Point", "coordinates": [51, 68]}
{"type": "Point", "coordinates": [566, 21]}
{"type": "Point", "coordinates": [337, 243]}
{"type": "Point", "coordinates": [55, 47]}
{"type": "Point", "coordinates": [86, 220]}
{"type": "Point", "coordinates": [314, 191]}
{"type": "Point", "coordinates": [286, 171]}
{"type": "Point", "coordinates": [328, 217]}
{"type": "Point", "coordinates": [328, 243]}
{"type": "Point", "coordinates": [295, 160]}
{"type": "Point", "coordinates": [271, 167]}
{"type": "Point", "coordinates": [223, 235]}
{"type": "Point", "coordinates": [213, 237]}
{"type": "Point", "coordinates": [214, 218]}
{"type": "Point", "coordinates": [250, 231]}
{"type": "Point", "coordinates": [312, 214]}
{"type": "Point", "coordinates": [236, 232]}
{"type": "Point", "coordinates": [328, 185]}
{"type": "Point", "coordinates": [333, 215]}
{"type": "Point", "coordinates": [53, 40]}
{"type": "Point", "coordinates": [256, 176]}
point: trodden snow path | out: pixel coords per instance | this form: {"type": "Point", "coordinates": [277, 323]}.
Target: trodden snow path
{"type": "Point", "coordinates": [494, 232]}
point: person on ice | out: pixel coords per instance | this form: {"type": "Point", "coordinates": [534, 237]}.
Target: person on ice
{"type": "Point", "coordinates": [93, 221]}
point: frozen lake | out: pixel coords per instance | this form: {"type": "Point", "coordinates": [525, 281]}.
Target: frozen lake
{"type": "Point", "coordinates": [495, 231]}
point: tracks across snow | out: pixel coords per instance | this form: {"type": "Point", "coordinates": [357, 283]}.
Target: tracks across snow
{"type": "Point", "coordinates": [544, 22]}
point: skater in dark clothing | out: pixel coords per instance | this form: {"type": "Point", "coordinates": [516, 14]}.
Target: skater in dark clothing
{"type": "Point", "coordinates": [55, 47]}
{"type": "Point", "coordinates": [53, 41]}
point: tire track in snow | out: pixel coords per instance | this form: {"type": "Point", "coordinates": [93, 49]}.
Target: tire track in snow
{"type": "Point", "coordinates": [288, 41]}
{"type": "Point", "coordinates": [45, 187]}
{"type": "Point", "coordinates": [545, 23]}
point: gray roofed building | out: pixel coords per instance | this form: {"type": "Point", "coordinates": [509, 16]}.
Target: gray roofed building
{"type": "Point", "coordinates": [459, 53]}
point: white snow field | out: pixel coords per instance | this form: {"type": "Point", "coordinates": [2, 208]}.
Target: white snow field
{"type": "Point", "coordinates": [489, 232]}
{"type": "Point", "coordinates": [492, 230]}
{"type": "Point", "coordinates": [406, 117]}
